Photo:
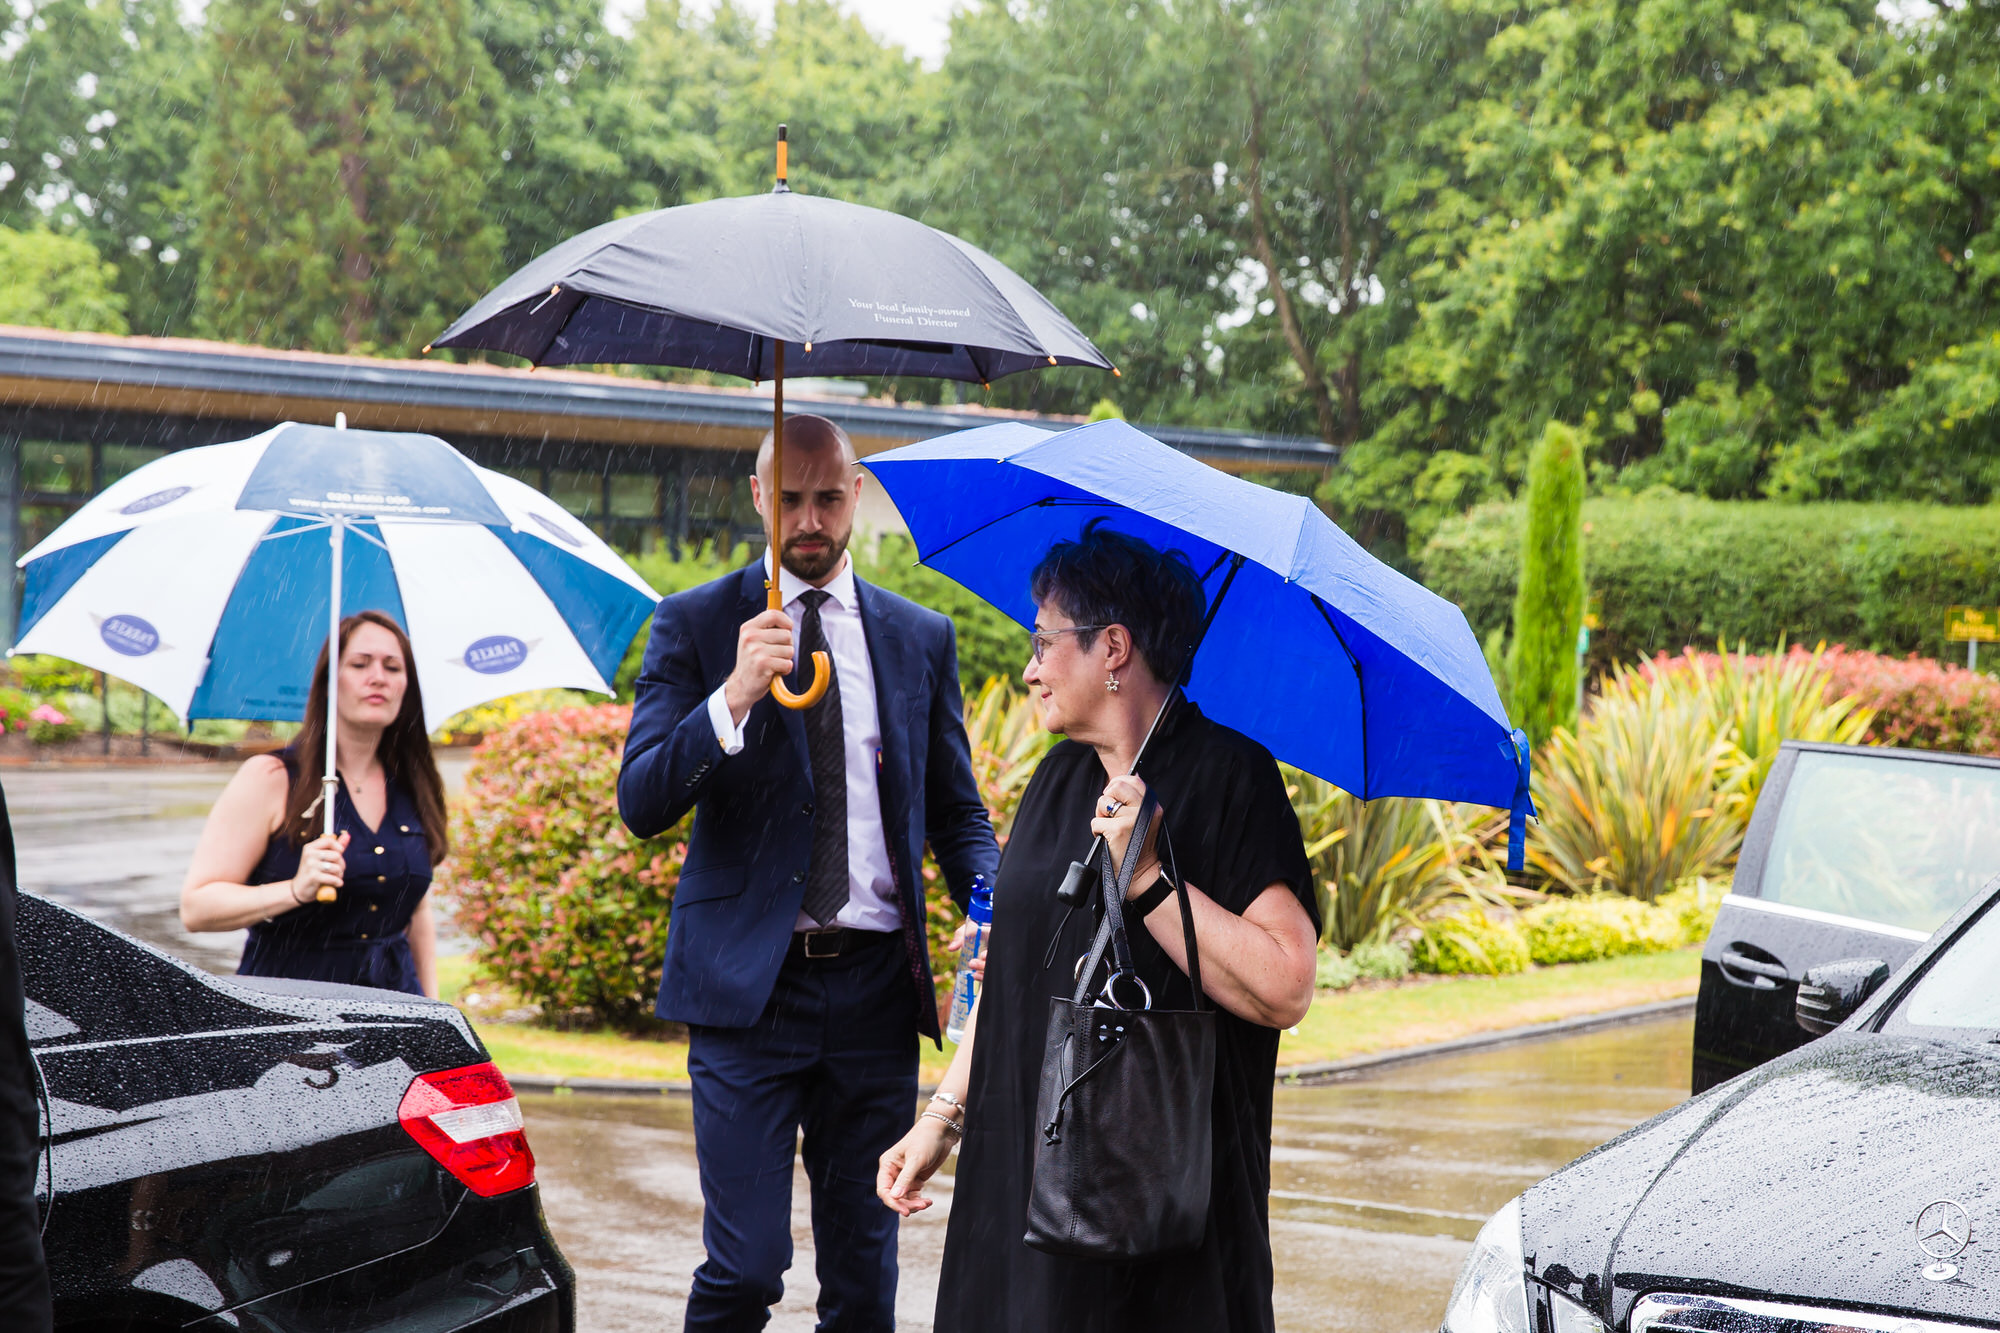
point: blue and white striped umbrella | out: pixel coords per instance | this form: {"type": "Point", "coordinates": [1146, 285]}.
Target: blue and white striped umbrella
{"type": "Point", "coordinates": [207, 577]}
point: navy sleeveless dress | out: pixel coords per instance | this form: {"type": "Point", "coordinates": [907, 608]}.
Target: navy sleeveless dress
{"type": "Point", "coordinates": [359, 938]}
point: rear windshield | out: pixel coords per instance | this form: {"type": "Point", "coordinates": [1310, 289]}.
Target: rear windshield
{"type": "Point", "coordinates": [1896, 841]}
{"type": "Point", "coordinates": [1957, 990]}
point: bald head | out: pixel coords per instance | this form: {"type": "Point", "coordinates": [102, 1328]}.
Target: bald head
{"type": "Point", "coordinates": [819, 491]}
{"type": "Point", "coordinates": [811, 442]}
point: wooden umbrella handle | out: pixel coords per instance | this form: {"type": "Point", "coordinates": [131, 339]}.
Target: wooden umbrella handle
{"type": "Point", "coordinates": [775, 504]}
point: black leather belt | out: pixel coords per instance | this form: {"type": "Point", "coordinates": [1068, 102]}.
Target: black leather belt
{"type": "Point", "coordinates": [834, 941]}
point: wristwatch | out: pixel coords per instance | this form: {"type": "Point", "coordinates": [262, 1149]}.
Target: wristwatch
{"type": "Point", "coordinates": [1142, 906]}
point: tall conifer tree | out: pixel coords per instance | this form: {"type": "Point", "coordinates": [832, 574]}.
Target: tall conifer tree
{"type": "Point", "coordinates": [1548, 609]}
{"type": "Point", "coordinates": [342, 177]}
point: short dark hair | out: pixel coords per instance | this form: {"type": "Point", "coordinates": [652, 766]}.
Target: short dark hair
{"type": "Point", "coordinates": [1106, 577]}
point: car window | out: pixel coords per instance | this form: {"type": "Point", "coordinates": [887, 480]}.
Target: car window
{"type": "Point", "coordinates": [1896, 841]}
{"type": "Point", "coordinates": [1957, 990]}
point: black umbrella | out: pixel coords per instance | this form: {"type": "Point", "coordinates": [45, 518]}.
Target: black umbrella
{"type": "Point", "coordinates": [732, 285]}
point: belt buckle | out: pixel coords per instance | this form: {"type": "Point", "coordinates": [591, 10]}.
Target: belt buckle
{"type": "Point", "coordinates": [834, 931]}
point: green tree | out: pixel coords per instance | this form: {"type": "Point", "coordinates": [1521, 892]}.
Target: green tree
{"type": "Point", "coordinates": [57, 282]}
{"type": "Point", "coordinates": [566, 124]}
{"type": "Point", "coordinates": [1548, 609]}
{"type": "Point", "coordinates": [104, 104]}
{"type": "Point", "coordinates": [342, 177]}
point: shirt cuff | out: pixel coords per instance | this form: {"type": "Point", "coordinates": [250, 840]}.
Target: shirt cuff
{"type": "Point", "coordinates": [727, 733]}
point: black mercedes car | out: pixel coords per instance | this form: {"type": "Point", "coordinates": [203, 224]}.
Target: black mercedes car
{"type": "Point", "coordinates": [1853, 1184]}
{"type": "Point", "coordinates": [236, 1153]}
{"type": "Point", "coordinates": [1853, 851]}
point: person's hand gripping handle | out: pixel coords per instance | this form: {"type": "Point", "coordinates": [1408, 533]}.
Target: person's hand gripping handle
{"type": "Point", "coordinates": [322, 870]}
{"type": "Point", "coordinates": [822, 665]}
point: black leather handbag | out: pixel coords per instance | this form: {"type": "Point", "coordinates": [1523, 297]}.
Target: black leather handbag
{"type": "Point", "coordinates": [1123, 1158]}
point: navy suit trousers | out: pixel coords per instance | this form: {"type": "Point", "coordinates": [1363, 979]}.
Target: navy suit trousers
{"type": "Point", "coordinates": [834, 1054]}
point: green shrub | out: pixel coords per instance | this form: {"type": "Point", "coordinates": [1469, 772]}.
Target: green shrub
{"type": "Point", "coordinates": [1694, 902]}
{"type": "Point", "coordinates": [1387, 960]}
{"type": "Point", "coordinates": [1642, 794]}
{"type": "Point", "coordinates": [1476, 940]}
{"type": "Point", "coordinates": [49, 725]}
{"type": "Point", "coordinates": [1381, 866]}
{"type": "Point", "coordinates": [1580, 930]}
{"type": "Point", "coordinates": [14, 706]}
{"type": "Point", "coordinates": [1365, 962]}
{"type": "Point", "coordinates": [1548, 605]}
{"type": "Point", "coordinates": [564, 905]}
{"type": "Point", "coordinates": [1670, 571]}
{"type": "Point", "coordinates": [1336, 971]}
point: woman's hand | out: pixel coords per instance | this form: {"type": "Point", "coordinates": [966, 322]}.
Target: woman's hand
{"type": "Point", "coordinates": [322, 870]}
{"type": "Point", "coordinates": [1112, 819]}
{"type": "Point", "coordinates": [913, 1161]}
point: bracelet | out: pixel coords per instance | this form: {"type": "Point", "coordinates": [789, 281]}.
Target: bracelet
{"type": "Point", "coordinates": [942, 1096]}
{"type": "Point", "coordinates": [952, 1127]}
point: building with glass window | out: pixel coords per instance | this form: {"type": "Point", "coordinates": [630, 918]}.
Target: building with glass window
{"type": "Point", "coordinates": [642, 462]}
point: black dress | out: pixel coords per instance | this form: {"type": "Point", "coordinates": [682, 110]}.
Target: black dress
{"type": "Point", "coordinates": [1234, 834]}
{"type": "Point", "coordinates": [359, 938]}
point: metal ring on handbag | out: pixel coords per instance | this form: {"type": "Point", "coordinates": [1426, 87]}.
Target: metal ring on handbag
{"type": "Point", "coordinates": [1108, 997]}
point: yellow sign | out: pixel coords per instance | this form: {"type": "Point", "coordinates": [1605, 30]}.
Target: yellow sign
{"type": "Point", "coordinates": [1977, 624]}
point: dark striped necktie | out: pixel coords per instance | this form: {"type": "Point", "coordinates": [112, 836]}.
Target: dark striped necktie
{"type": "Point", "coordinates": [827, 879]}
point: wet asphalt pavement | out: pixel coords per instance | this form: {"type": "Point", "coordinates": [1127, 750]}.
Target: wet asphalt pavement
{"type": "Point", "coordinates": [1378, 1183]}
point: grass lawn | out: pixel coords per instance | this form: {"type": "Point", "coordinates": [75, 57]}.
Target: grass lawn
{"type": "Point", "coordinates": [1343, 1024]}
{"type": "Point", "coordinates": [1359, 1022]}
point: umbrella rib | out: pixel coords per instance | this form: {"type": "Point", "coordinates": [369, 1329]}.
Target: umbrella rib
{"type": "Point", "coordinates": [1354, 662]}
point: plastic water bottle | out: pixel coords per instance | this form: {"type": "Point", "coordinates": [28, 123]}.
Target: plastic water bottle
{"type": "Point", "coordinates": [979, 916]}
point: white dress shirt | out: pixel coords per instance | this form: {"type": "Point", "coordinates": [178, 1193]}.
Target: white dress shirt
{"type": "Point", "coordinates": [871, 900]}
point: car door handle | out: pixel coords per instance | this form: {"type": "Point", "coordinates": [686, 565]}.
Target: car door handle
{"type": "Point", "coordinates": [1747, 965]}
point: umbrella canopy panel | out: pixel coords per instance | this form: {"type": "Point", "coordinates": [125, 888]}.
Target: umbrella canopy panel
{"type": "Point", "coordinates": [715, 286]}
{"type": "Point", "coordinates": [1329, 658]}
{"type": "Point", "coordinates": [221, 611]}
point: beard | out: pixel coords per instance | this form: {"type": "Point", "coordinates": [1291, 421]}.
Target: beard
{"type": "Point", "coordinates": [812, 566]}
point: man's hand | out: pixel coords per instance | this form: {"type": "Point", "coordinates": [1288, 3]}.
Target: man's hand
{"type": "Point", "coordinates": [763, 653]}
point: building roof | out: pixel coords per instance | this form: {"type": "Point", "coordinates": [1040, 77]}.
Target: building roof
{"type": "Point", "coordinates": [48, 370]}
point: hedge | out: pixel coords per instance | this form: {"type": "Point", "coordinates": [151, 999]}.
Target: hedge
{"type": "Point", "coordinates": [1668, 572]}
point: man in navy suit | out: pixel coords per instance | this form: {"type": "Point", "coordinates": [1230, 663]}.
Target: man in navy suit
{"type": "Point", "coordinates": [796, 955]}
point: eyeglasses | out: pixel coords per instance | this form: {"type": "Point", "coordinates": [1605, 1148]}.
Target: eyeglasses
{"type": "Point", "coordinates": [1039, 640]}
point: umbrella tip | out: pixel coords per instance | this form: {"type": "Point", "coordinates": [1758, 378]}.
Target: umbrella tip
{"type": "Point", "coordinates": [781, 187]}
{"type": "Point", "coordinates": [426, 351]}
{"type": "Point", "coordinates": [1052, 361]}
{"type": "Point", "coordinates": [340, 421]}
{"type": "Point", "coordinates": [809, 347]}
{"type": "Point", "coordinates": [1117, 374]}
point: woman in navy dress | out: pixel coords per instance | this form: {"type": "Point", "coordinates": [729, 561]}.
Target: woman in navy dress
{"type": "Point", "coordinates": [261, 862]}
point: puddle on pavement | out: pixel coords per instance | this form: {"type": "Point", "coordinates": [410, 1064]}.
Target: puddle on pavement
{"type": "Point", "coordinates": [1378, 1183]}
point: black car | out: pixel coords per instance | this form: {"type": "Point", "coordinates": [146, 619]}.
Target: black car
{"type": "Point", "coordinates": [1853, 851]}
{"type": "Point", "coordinates": [1849, 1185]}
{"type": "Point", "coordinates": [251, 1154]}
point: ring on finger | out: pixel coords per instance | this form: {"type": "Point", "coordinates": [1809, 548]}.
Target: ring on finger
{"type": "Point", "coordinates": [1112, 806]}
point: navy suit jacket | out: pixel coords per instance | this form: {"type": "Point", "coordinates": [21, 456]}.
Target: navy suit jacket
{"type": "Point", "coordinates": [744, 878]}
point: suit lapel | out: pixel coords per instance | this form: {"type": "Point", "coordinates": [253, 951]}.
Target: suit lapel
{"type": "Point", "coordinates": [892, 686]}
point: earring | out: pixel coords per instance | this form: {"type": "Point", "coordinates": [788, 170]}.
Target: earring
{"type": "Point", "coordinates": [1111, 684]}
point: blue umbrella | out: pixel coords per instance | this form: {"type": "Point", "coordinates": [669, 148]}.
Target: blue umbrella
{"type": "Point", "coordinates": [1332, 660]}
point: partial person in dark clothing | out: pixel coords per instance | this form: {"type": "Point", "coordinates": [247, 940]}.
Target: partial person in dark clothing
{"type": "Point", "coordinates": [24, 1274]}
{"type": "Point", "coordinates": [259, 863]}
{"type": "Point", "coordinates": [1114, 625]}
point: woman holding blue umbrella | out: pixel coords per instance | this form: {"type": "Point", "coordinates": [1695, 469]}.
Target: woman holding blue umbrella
{"type": "Point", "coordinates": [258, 863]}
{"type": "Point", "coordinates": [1116, 619]}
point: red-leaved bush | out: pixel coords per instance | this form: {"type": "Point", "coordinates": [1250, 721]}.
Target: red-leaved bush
{"type": "Point", "coordinates": [566, 908]}
{"type": "Point", "coordinates": [1918, 703]}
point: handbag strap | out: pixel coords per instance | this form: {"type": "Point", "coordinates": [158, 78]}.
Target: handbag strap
{"type": "Point", "coordinates": [1111, 932]}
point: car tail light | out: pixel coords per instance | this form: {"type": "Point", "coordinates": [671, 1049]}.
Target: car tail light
{"type": "Point", "coordinates": [471, 1122]}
